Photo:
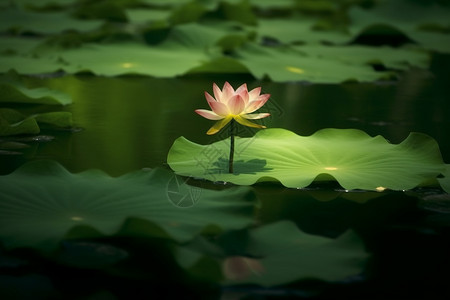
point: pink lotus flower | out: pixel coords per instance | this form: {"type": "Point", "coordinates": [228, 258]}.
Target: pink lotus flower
{"type": "Point", "coordinates": [229, 104]}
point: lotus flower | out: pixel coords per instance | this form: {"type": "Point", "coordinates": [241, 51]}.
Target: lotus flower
{"type": "Point", "coordinates": [229, 104]}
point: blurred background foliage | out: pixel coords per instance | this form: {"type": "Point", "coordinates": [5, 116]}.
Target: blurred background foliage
{"type": "Point", "coordinates": [289, 40]}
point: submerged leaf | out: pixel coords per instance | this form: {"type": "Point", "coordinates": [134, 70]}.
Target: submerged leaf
{"type": "Point", "coordinates": [282, 254]}
{"type": "Point", "coordinates": [353, 158]}
{"type": "Point", "coordinates": [41, 202]}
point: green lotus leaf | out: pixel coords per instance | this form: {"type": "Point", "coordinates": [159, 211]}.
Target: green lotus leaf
{"type": "Point", "coordinates": [30, 64]}
{"type": "Point", "coordinates": [133, 58]}
{"type": "Point", "coordinates": [285, 64]}
{"type": "Point", "coordinates": [41, 201]}
{"type": "Point", "coordinates": [13, 123]}
{"type": "Point", "coordinates": [393, 58]}
{"type": "Point", "coordinates": [43, 3]}
{"type": "Point", "coordinates": [274, 254]}
{"type": "Point", "coordinates": [46, 23]}
{"type": "Point", "coordinates": [298, 30]}
{"type": "Point", "coordinates": [270, 4]}
{"type": "Point", "coordinates": [445, 181]}
{"type": "Point", "coordinates": [352, 157]}
{"type": "Point", "coordinates": [282, 254]}
{"type": "Point", "coordinates": [17, 45]}
{"type": "Point", "coordinates": [55, 118]}
{"type": "Point", "coordinates": [392, 13]}
{"type": "Point", "coordinates": [187, 47]}
{"type": "Point", "coordinates": [139, 16]}
{"type": "Point", "coordinates": [12, 90]}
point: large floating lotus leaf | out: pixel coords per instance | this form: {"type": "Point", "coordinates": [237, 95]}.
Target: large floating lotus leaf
{"type": "Point", "coordinates": [46, 23]}
{"type": "Point", "coordinates": [445, 181]}
{"type": "Point", "coordinates": [146, 15]}
{"type": "Point", "coordinates": [13, 123]}
{"type": "Point", "coordinates": [289, 65]}
{"type": "Point", "coordinates": [29, 64]}
{"type": "Point", "coordinates": [270, 4]}
{"type": "Point", "coordinates": [41, 201]}
{"type": "Point", "coordinates": [282, 254]}
{"type": "Point", "coordinates": [419, 16]}
{"type": "Point", "coordinates": [43, 3]}
{"type": "Point", "coordinates": [17, 45]}
{"type": "Point", "coordinates": [395, 58]}
{"type": "Point", "coordinates": [355, 159]}
{"type": "Point", "coordinates": [187, 47]}
{"type": "Point", "coordinates": [298, 30]}
{"type": "Point", "coordinates": [133, 58]}
{"type": "Point", "coordinates": [12, 90]}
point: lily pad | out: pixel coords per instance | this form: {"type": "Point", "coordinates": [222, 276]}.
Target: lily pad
{"type": "Point", "coordinates": [274, 254]}
{"type": "Point", "coordinates": [392, 13]}
{"type": "Point", "coordinates": [42, 201]}
{"type": "Point", "coordinates": [44, 23]}
{"type": "Point", "coordinates": [29, 64]}
{"type": "Point", "coordinates": [12, 90]}
{"type": "Point", "coordinates": [350, 156]}
{"type": "Point", "coordinates": [445, 181]}
{"type": "Point", "coordinates": [393, 58]}
{"type": "Point", "coordinates": [281, 253]}
{"type": "Point", "coordinates": [187, 47]}
{"type": "Point", "coordinates": [286, 64]}
{"type": "Point", "coordinates": [13, 123]}
{"type": "Point", "coordinates": [298, 30]}
{"type": "Point", "coordinates": [18, 45]}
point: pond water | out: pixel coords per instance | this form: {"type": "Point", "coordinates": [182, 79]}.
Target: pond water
{"type": "Point", "coordinates": [129, 123]}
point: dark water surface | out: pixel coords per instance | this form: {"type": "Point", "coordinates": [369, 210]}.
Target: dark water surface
{"type": "Point", "coordinates": [129, 123]}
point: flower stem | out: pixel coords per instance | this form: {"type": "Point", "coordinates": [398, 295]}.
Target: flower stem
{"type": "Point", "coordinates": [230, 161]}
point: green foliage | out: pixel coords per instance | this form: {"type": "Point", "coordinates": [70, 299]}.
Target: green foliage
{"type": "Point", "coordinates": [349, 156]}
{"type": "Point", "coordinates": [13, 90]}
{"type": "Point", "coordinates": [12, 122]}
{"type": "Point", "coordinates": [445, 181]}
{"type": "Point", "coordinates": [41, 202]}
{"type": "Point", "coordinates": [314, 35]}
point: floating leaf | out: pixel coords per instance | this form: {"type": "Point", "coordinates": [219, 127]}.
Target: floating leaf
{"type": "Point", "coordinates": [184, 49]}
{"type": "Point", "coordinates": [392, 13]}
{"type": "Point", "coordinates": [42, 201]}
{"type": "Point", "coordinates": [353, 158]}
{"type": "Point", "coordinates": [285, 64]}
{"type": "Point", "coordinates": [273, 254]}
{"type": "Point", "coordinates": [17, 45]}
{"type": "Point", "coordinates": [55, 118]}
{"type": "Point", "coordinates": [445, 181]}
{"type": "Point", "coordinates": [12, 90]}
{"type": "Point", "coordinates": [13, 123]}
{"type": "Point", "coordinates": [282, 254]}
{"type": "Point", "coordinates": [30, 64]}
{"type": "Point", "coordinates": [295, 30]}
{"type": "Point", "coordinates": [394, 58]}
{"type": "Point", "coordinates": [20, 21]}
